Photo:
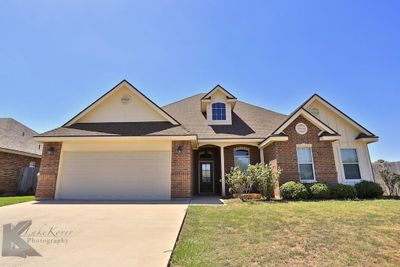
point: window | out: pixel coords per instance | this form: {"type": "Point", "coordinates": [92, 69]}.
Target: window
{"type": "Point", "coordinates": [350, 164]}
{"type": "Point", "coordinates": [206, 155]}
{"type": "Point", "coordinates": [306, 165]}
{"type": "Point", "coordinates": [205, 172]}
{"type": "Point", "coordinates": [218, 111]}
{"type": "Point", "coordinates": [242, 159]}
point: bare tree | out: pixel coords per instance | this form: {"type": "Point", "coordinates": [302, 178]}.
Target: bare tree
{"type": "Point", "coordinates": [391, 180]}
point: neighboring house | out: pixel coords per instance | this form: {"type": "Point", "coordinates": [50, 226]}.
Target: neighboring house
{"type": "Point", "coordinates": [17, 149]}
{"type": "Point", "coordinates": [124, 146]}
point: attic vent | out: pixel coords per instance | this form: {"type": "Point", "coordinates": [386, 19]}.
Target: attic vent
{"type": "Point", "coordinates": [125, 99]}
{"type": "Point", "coordinates": [301, 128]}
{"type": "Point", "coordinates": [315, 112]}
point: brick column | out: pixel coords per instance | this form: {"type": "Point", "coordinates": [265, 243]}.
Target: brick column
{"type": "Point", "coordinates": [181, 169]}
{"type": "Point", "coordinates": [47, 178]}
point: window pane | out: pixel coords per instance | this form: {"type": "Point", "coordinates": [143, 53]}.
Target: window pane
{"type": "Point", "coordinates": [218, 111]}
{"type": "Point", "coordinates": [242, 162]}
{"type": "Point", "coordinates": [304, 155]}
{"type": "Point", "coordinates": [206, 173]}
{"type": "Point", "coordinates": [352, 171]}
{"type": "Point", "coordinates": [306, 172]}
{"type": "Point", "coordinates": [349, 155]}
{"type": "Point", "coordinates": [241, 153]}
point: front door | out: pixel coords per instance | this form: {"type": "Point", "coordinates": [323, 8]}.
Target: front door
{"type": "Point", "coordinates": [206, 177]}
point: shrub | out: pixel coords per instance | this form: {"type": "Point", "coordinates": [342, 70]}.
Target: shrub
{"type": "Point", "coordinates": [264, 177]}
{"type": "Point", "coordinates": [367, 189]}
{"type": "Point", "coordinates": [236, 181]}
{"type": "Point", "coordinates": [293, 190]}
{"type": "Point", "coordinates": [319, 191]}
{"type": "Point", "coordinates": [344, 191]}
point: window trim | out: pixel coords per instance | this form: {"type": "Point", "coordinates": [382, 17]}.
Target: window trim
{"type": "Point", "coordinates": [312, 163]}
{"type": "Point", "coordinates": [241, 148]}
{"type": "Point", "coordinates": [212, 111]}
{"type": "Point", "coordinates": [342, 165]}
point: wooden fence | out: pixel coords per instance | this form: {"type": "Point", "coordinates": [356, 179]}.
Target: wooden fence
{"type": "Point", "coordinates": [27, 180]}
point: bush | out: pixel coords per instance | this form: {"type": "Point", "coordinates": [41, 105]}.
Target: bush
{"type": "Point", "coordinates": [265, 178]}
{"type": "Point", "coordinates": [319, 191]}
{"type": "Point", "coordinates": [293, 190]}
{"type": "Point", "coordinates": [344, 191]}
{"type": "Point", "coordinates": [260, 178]}
{"type": "Point", "coordinates": [367, 189]}
{"type": "Point", "coordinates": [236, 181]}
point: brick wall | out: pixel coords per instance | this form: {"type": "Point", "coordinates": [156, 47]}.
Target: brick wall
{"type": "Point", "coordinates": [181, 169]}
{"type": "Point", "coordinates": [48, 172]}
{"type": "Point", "coordinates": [284, 155]}
{"type": "Point", "coordinates": [10, 165]}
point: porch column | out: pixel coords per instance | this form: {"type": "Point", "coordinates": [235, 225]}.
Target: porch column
{"type": "Point", "coordinates": [262, 155]}
{"type": "Point", "coordinates": [222, 171]}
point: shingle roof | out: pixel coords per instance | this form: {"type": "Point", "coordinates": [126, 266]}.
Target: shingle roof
{"type": "Point", "coordinates": [248, 121]}
{"type": "Point", "coordinates": [159, 128]}
{"type": "Point", "coordinates": [17, 137]}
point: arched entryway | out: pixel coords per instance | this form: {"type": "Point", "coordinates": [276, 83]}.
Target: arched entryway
{"type": "Point", "coordinates": [207, 170]}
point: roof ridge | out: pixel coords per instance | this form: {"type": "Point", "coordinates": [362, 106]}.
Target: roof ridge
{"type": "Point", "coordinates": [256, 106]}
{"type": "Point", "coordinates": [183, 99]}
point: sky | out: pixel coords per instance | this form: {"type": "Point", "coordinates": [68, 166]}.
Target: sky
{"type": "Point", "coordinates": [57, 57]}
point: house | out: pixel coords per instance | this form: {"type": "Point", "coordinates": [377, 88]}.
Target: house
{"type": "Point", "coordinates": [17, 149]}
{"type": "Point", "coordinates": [124, 146]}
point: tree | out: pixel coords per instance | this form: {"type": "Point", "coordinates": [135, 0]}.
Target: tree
{"type": "Point", "coordinates": [391, 180]}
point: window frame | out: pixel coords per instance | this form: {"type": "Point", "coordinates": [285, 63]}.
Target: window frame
{"type": "Point", "coordinates": [342, 164]}
{"type": "Point", "coordinates": [244, 149]}
{"type": "Point", "coordinates": [218, 108]}
{"type": "Point", "coordinates": [312, 163]}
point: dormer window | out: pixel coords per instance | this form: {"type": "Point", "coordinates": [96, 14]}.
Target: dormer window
{"type": "Point", "coordinates": [218, 106]}
{"type": "Point", "coordinates": [218, 111]}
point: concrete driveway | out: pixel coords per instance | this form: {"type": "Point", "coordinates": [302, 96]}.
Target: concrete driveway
{"type": "Point", "coordinates": [95, 234]}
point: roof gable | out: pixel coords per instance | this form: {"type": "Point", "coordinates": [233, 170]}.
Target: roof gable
{"type": "Point", "coordinates": [123, 103]}
{"type": "Point", "coordinates": [307, 115]}
{"type": "Point", "coordinates": [218, 88]}
{"type": "Point", "coordinates": [338, 112]}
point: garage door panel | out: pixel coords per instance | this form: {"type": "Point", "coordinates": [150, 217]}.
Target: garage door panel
{"type": "Point", "coordinates": [119, 175]}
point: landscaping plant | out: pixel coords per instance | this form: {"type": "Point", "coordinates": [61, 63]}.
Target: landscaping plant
{"type": "Point", "coordinates": [319, 191]}
{"type": "Point", "coordinates": [265, 178]}
{"type": "Point", "coordinates": [342, 191]}
{"type": "Point", "coordinates": [261, 178]}
{"type": "Point", "coordinates": [236, 181]}
{"type": "Point", "coordinates": [366, 189]}
{"type": "Point", "coordinates": [294, 191]}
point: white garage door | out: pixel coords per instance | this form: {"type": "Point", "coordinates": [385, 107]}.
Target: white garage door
{"type": "Point", "coordinates": [115, 175]}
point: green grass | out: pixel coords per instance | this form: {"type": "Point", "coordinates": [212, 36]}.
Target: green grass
{"type": "Point", "coordinates": [326, 233]}
{"type": "Point", "coordinates": [4, 201]}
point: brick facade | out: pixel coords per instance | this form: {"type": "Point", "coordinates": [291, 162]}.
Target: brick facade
{"type": "Point", "coordinates": [284, 155]}
{"type": "Point", "coordinates": [181, 169]}
{"type": "Point", "coordinates": [48, 172]}
{"type": "Point", "coordinates": [10, 166]}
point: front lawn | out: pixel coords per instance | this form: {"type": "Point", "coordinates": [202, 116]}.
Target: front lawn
{"type": "Point", "coordinates": [4, 201]}
{"type": "Point", "coordinates": [326, 233]}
